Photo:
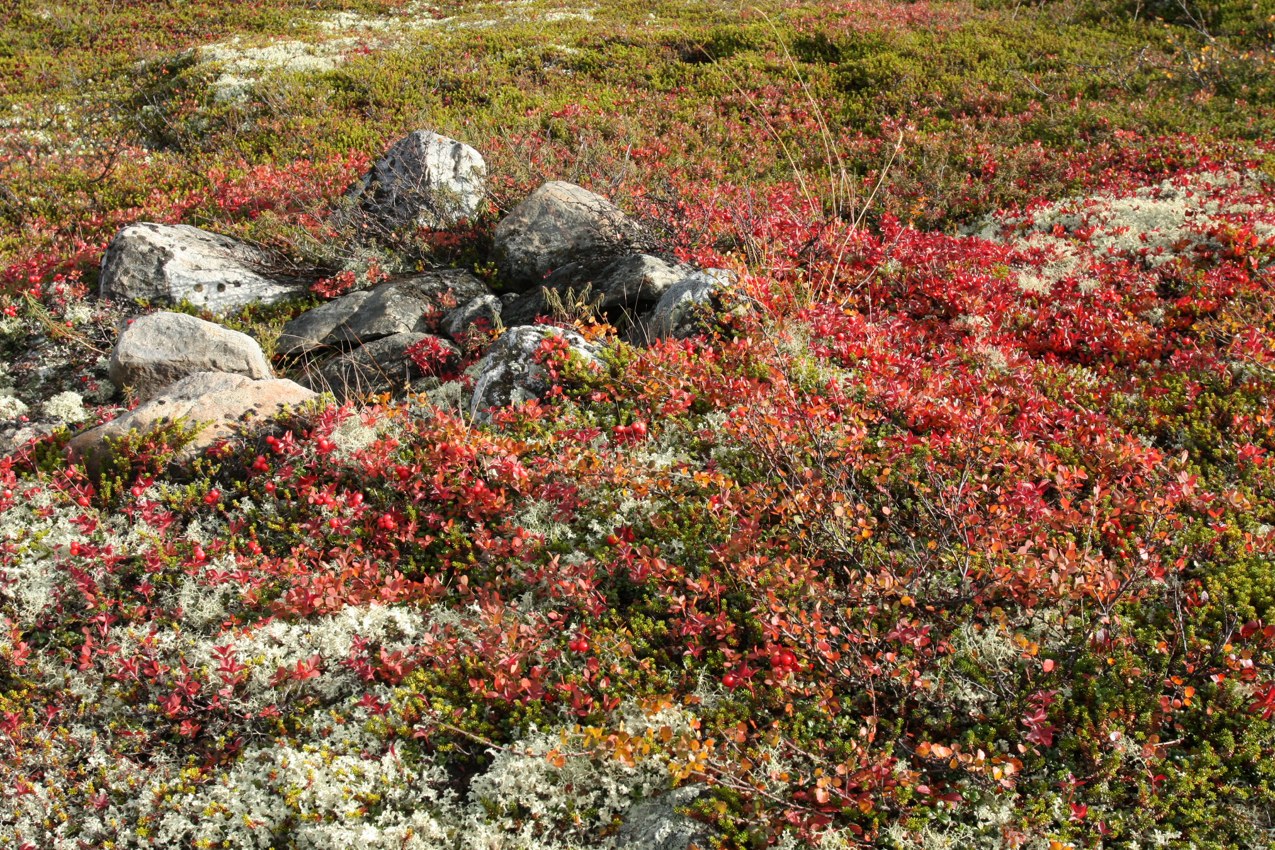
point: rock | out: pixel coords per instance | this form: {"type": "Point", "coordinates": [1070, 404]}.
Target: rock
{"type": "Point", "coordinates": [525, 308]}
{"type": "Point", "coordinates": [654, 823]}
{"type": "Point", "coordinates": [631, 282]}
{"type": "Point", "coordinates": [560, 223]}
{"type": "Point", "coordinates": [218, 401]}
{"type": "Point", "coordinates": [382, 365]}
{"type": "Point", "coordinates": [509, 374]}
{"type": "Point", "coordinates": [679, 309]}
{"type": "Point", "coordinates": [637, 281]}
{"type": "Point", "coordinates": [484, 311]}
{"type": "Point", "coordinates": [408, 305]}
{"type": "Point", "coordinates": [15, 435]}
{"type": "Point", "coordinates": [424, 180]}
{"type": "Point", "coordinates": [315, 329]}
{"type": "Point", "coordinates": [160, 348]}
{"type": "Point", "coordinates": [617, 290]}
{"type": "Point", "coordinates": [168, 264]}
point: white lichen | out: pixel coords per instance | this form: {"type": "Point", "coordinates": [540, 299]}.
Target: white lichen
{"type": "Point", "coordinates": [11, 407]}
{"type": "Point", "coordinates": [65, 407]}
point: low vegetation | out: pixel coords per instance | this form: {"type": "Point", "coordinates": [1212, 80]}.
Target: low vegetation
{"type": "Point", "coordinates": [955, 528]}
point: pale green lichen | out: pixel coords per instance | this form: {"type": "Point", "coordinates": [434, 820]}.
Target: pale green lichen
{"type": "Point", "coordinates": [65, 407]}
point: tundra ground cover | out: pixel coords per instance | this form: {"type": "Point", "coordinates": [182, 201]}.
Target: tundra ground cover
{"type": "Point", "coordinates": [955, 528]}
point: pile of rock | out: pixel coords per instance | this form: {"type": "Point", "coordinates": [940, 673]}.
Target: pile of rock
{"type": "Point", "coordinates": [562, 243]}
{"type": "Point", "coordinates": [357, 344]}
{"type": "Point", "coordinates": [564, 239]}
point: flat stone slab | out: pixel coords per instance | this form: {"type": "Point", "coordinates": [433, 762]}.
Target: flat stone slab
{"type": "Point", "coordinates": [316, 329]}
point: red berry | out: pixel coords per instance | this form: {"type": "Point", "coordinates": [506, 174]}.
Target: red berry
{"type": "Point", "coordinates": [731, 680]}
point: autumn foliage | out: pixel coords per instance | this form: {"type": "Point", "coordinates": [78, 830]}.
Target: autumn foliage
{"type": "Point", "coordinates": [954, 525]}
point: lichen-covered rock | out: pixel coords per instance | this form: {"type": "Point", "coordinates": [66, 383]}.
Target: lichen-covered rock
{"type": "Point", "coordinates": [424, 180]}
{"type": "Point", "coordinates": [157, 349]}
{"type": "Point", "coordinates": [14, 434]}
{"type": "Point", "coordinates": [168, 264]}
{"type": "Point", "coordinates": [315, 329]}
{"type": "Point", "coordinates": [408, 305]}
{"type": "Point", "coordinates": [677, 313]}
{"type": "Point", "coordinates": [509, 373]}
{"type": "Point", "coordinates": [560, 223]}
{"type": "Point", "coordinates": [219, 402]}
{"type": "Point", "coordinates": [632, 282]}
{"type": "Point", "coordinates": [485, 310]}
{"type": "Point", "coordinates": [382, 365]}
{"type": "Point", "coordinates": [411, 305]}
{"type": "Point", "coordinates": [617, 290]}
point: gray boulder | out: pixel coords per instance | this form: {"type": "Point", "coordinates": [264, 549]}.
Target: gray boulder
{"type": "Point", "coordinates": [680, 309]}
{"type": "Point", "coordinates": [424, 180]}
{"type": "Point", "coordinates": [220, 404]}
{"type": "Point", "coordinates": [524, 308]}
{"type": "Point", "coordinates": [381, 366]}
{"type": "Point", "coordinates": [409, 305]}
{"type": "Point", "coordinates": [560, 223]}
{"type": "Point", "coordinates": [485, 309]}
{"type": "Point", "coordinates": [509, 374]}
{"type": "Point", "coordinates": [415, 304]}
{"type": "Point", "coordinates": [631, 282]}
{"type": "Point", "coordinates": [157, 349]}
{"type": "Point", "coordinates": [315, 329]}
{"type": "Point", "coordinates": [619, 289]}
{"type": "Point", "coordinates": [638, 281]}
{"type": "Point", "coordinates": [168, 264]}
